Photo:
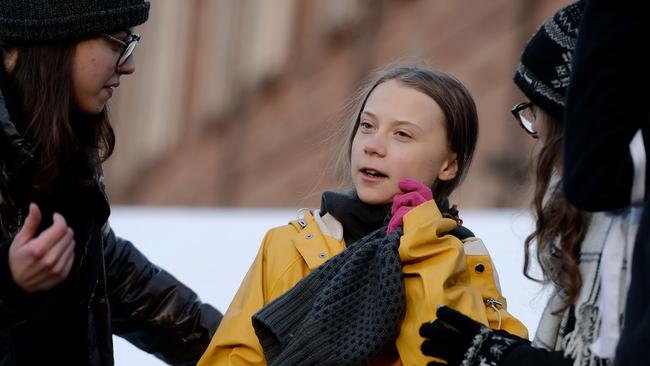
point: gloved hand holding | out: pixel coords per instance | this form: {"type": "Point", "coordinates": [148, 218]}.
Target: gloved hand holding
{"type": "Point", "coordinates": [414, 194]}
{"type": "Point", "coordinates": [457, 339]}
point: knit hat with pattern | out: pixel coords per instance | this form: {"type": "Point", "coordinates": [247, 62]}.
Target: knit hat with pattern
{"type": "Point", "coordinates": [34, 21]}
{"type": "Point", "coordinates": [544, 70]}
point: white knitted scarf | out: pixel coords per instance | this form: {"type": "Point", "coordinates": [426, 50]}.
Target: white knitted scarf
{"type": "Point", "coordinates": [606, 233]}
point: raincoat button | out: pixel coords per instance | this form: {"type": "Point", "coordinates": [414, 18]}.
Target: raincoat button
{"type": "Point", "coordinates": [479, 268]}
{"type": "Point", "coordinates": [309, 236]}
{"type": "Point", "coordinates": [322, 255]}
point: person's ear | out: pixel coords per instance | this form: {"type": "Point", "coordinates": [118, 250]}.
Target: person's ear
{"type": "Point", "coordinates": [449, 168]}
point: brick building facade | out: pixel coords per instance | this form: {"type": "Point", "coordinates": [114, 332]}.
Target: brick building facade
{"type": "Point", "coordinates": [239, 102]}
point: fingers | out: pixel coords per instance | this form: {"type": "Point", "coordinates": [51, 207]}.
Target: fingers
{"type": "Point", "coordinates": [443, 342]}
{"type": "Point", "coordinates": [63, 266]}
{"type": "Point", "coordinates": [410, 199]}
{"type": "Point", "coordinates": [398, 218]}
{"type": "Point", "coordinates": [409, 185]}
{"type": "Point", "coordinates": [426, 329]}
{"type": "Point", "coordinates": [55, 259]}
{"type": "Point", "coordinates": [41, 262]}
{"type": "Point", "coordinates": [439, 333]}
{"type": "Point", "coordinates": [50, 237]}
{"type": "Point", "coordinates": [456, 320]}
{"type": "Point", "coordinates": [43, 276]}
{"type": "Point", "coordinates": [32, 221]}
{"type": "Point", "coordinates": [433, 349]}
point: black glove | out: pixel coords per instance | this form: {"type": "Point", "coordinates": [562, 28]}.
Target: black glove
{"type": "Point", "coordinates": [457, 339]}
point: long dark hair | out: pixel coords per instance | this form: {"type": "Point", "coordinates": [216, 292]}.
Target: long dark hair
{"type": "Point", "coordinates": [560, 227]}
{"type": "Point", "coordinates": [461, 118]}
{"type": "Point", "coordinates": [42, 81]}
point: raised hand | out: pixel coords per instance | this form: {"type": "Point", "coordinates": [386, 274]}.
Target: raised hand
{"type": "Point", "coordinates": [40, 262]}
{"type": "Point", "coordinates": [413, 194]}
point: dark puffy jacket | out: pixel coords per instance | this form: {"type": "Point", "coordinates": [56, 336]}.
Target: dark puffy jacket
{"type": "Point", "coordinates": [605, 109]}
{"type": "Point", "coordinates": [111, 289]}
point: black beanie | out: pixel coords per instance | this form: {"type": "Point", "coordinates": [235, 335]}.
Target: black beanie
{"type": "Point", "coordinates": [545, 67]}
{"type": "Point", "coordinates": [35, 21]}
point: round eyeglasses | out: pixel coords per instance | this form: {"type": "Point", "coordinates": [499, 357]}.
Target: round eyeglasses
{"type": "Point", "coordinates": [525, 114]}
{"type": "Point", "coordinates": [127, 47]}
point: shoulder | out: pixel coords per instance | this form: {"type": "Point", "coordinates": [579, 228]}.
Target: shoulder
{"type": "Point", "coordinates": [280, 241]}
{"type": "Point", "coordinates": [307, 223]}
{"type": "Point", "coordinates": [474, 246]}
{"type": "Point", "coordinates": [307, 241]}
{"type": "Point", "coordinates": [280, 235]}
{"type": "Point", "coordinates": [480, 264]}
{"type": "Point", "coordinates": [288, 253]}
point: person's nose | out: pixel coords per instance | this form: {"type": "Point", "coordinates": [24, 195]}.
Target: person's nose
{"type": "Point", "coordinates": [375, 145]}
{"type": "Point", "coordinates": [128, 67]}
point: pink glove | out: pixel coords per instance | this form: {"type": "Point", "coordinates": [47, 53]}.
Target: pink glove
{"type": "Point", "coordinates": [415, 193]}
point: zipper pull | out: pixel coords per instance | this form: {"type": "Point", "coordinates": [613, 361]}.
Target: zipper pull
{"type": "Point", "coordinates": [496, 305]}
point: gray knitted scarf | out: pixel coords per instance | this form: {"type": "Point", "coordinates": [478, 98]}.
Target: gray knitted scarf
{"type": "Point", "coordinates": [343, 313]}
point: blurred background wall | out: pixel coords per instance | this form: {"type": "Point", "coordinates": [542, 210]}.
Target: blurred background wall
{"type": "Point", "coordinates": [238, 102]}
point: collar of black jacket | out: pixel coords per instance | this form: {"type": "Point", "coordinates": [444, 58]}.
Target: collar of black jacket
{"type": "Point", "coordinates": [10, 119]}
{"type": "Point", "coordinates": [14, 150]}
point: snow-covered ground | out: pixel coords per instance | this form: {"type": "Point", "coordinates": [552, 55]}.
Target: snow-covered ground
{"type": "Point", "coordinates": [211, 249]}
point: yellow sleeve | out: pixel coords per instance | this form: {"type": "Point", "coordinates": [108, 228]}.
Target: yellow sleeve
{"type": "Point", "coordinates": [235, 342]}
{"type": "Point", "coordinates": [435, 273]}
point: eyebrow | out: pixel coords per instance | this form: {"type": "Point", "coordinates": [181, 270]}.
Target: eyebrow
{"type": "Point", "coordinates": [124, 33]}
{"type": "Point", "coordinates": [368, 113]}
{"type": "Point", "coordinates": [398, 122]}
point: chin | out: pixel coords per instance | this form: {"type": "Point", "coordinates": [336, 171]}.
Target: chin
{"type": "Point", "coordinates": [91, 110]}
{"type": "Point", "coordinates": [97, 109]}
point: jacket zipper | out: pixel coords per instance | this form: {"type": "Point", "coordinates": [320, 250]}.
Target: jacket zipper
{"type": "Point", "coordinates": [496, 305]}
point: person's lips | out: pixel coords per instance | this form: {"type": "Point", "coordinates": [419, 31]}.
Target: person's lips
{"type": "Point", "coordinates": [110, 87]}
{"type": "Point", "coordinates": [372, 174]}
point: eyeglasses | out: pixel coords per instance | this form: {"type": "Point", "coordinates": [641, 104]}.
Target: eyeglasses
{"type": "Point", "coordinates": [525, 114]}
{"type": "Point", "coordinates": [128, 47]}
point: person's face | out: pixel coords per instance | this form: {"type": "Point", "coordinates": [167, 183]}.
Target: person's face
{"type": "Point", "coordinates": [401, 134]}
{"type": "Point", "coordinates": [94, 72]}
{"type": "Point", "coordinates": [542, 121]}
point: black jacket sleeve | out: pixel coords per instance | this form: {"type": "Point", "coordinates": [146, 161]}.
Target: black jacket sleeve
{"type": "Point", "coordinates": [152, 309]}
{"type": "Point", "coordinates": [606, 104]}
{"type": "Point", "coordinates": [526, 354]}
{"type": "Point", "coordinates": [12, 297]}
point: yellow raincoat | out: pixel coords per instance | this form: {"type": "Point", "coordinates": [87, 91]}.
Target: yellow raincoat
{"type": "Point", "coordinates": [438, 269]}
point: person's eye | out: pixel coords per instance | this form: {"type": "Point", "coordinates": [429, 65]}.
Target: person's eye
{"type": "Point", "coordinates": [365, 125]}
{"type": "Point", "coordinates": [116, 46]}
{"type": "Point", "coordinates": [403, 134]}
